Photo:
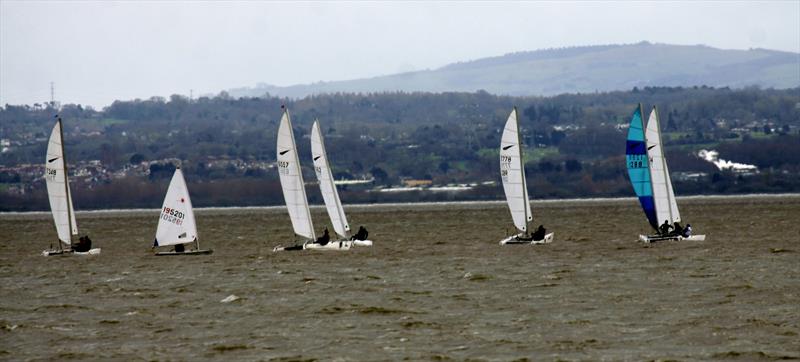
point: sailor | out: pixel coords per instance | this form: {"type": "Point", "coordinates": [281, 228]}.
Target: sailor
{"type": "Point", "coordinates": [539, 233]}
{"type": "Point", "coordinates": [664, 228]}
{"type": "Point", "coordinates": [83, 245]}
{"type": "Point", "coordinates": [687, 232]}
{"type": "Point", "coordinates": [677, 230]}
{"type": "Point", "coordinates": [361, 234]}
{"type": "Point", "coordinates": [323, 240]}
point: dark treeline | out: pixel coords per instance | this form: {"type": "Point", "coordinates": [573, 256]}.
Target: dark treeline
{"type": "Point", "coordinates": [574, 143]}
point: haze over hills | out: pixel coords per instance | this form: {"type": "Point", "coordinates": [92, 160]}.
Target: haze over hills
{"type": "Point", "coordinates": [576, 70]}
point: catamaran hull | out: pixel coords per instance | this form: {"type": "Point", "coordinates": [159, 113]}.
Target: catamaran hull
{"type": "Point", "coordinates": [94, 251]}
{"type": "Point", "coordinates": [655, 238]}
{"type": "Point", "coordinates": [332, 246]}
{"type": "Point", "coordinates": [362, 242]}
{"type": "Point", "coordinates": [514, 240]}
{"type": "Point", "coordinates": [190, 252]}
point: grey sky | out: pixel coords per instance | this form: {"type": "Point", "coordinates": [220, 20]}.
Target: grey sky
{"type": "Point", "coordinates": [97, 52]}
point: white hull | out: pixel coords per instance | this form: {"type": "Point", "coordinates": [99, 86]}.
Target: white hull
{"type": "Point", "coordinates": [655, 238]}
{"type": "Point", "coordinates": [333, 246]}
{"type": "Point", "coordinates": [188, 252]}
{"type": "Point", "coordinates": [94, 251]}
{"type": "Point", "coordinates": [362, 242]}
{"type": "Point", "coordinates": [514, 240]}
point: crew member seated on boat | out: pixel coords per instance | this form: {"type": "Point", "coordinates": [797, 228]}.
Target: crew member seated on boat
{"type": "Point", "coordinates": [677, 230]}
{"type": "Point", "coordinates": [361, 234]}
{"type": "Point", "coordinates": [83, 245]}
{"type": "Point", "coordinates": [687, 232]}
{"type": "Point", "coordinates": [179, 248]}
{"type": "Point", "coordinates": [539, 233]}
{"type": "Point", "coordinates": [324, 239]}
{"type": "Point", "coordinates": [664, 228]}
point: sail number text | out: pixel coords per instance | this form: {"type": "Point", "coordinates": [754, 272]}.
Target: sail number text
{"type": "Point", "coordinates": [51, 173]}
{"type": "Point", "coordinates": [636, 161]}
{"type": "Point", "coordinates": [172, 215]}
{"type": "Point", "coordinates": [283, 167]}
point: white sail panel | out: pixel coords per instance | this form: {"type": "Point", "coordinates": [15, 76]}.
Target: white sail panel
{"type": "Point", "coordinates": [176, 224]}
{"type": "Point", "coordinates": [326, 186]}
{"type": "Point", "coordinates": [58, 186]}
{"type": "Point", "coordinates": [663, 196]}
{"type": "Point", "coordinates": [291, 177]}
{"type": "Point", "coordinates": [512, 173]}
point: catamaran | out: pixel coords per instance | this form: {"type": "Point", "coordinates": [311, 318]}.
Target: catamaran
{"type": "Point", "coordinates": [176, 224]}
{"type": "Point", "coordinates": [57, 180]}
{"type": "Point", "coordinates": [649, 175]}
{"type": "Point", "coordinates": [512, 171]}
{"type": "Point", "coordinates": [328, 189]}
{"type": "Point", "coordinates": [294, 191]}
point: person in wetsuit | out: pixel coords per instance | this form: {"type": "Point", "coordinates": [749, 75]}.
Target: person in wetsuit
{"type": "Point", "coordinates": [83, 245]}
{"type": "Point", "coordinates": [539, 233]}
{"type": "Point", "coordinates": [664, 228]}
{"type": "Point", "coordinates": [677, 230]}
{"type": "Point", "coordinates": [361, 234]}
{"type": "Point", "coordinates": [324, 239]}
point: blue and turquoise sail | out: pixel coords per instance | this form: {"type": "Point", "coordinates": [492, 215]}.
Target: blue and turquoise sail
{"type": "Point", "coordinates": [638, 168]}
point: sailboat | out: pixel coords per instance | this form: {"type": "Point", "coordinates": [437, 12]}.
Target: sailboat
{"type": "Point", "coordinates": [512, 172]}
{"type": "Point", "coordinates": [328, 189]}
{"type": "Point", "coordinates": [294, 191]}
{"type": "Point", "coordinates": [57, 180]}
{"type": "Point", "coordinates": [176, 224]}
{"type": "Point", "coordinates": [649, 175]}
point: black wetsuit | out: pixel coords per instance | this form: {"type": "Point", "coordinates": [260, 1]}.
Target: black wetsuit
{"type": "Point", "coordinates": [538, 234]}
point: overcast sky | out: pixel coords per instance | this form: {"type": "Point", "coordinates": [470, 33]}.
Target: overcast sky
{"type": "Point", "coordinates": [98, 51]}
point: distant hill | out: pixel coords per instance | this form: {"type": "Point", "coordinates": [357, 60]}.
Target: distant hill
{"type": "Point", "coordinates": [577, 70]}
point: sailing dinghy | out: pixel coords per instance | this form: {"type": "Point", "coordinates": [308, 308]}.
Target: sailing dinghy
{"type": "Point", "coordinates": [649, 175]}
{"type": "Point", "coordinates": [512, 171]}
{"type": "Point", "coordinates": [176, 224]}
{"type": "Point", "coordinates": [57, 180]}
{"type": "Point", "coordinates": [328, 189]}
{"type": "Point", "coordinates": [294, 191]}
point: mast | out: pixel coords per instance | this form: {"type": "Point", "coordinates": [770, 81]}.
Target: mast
{"type": "Point", "coordinates": [300, 175]}
{"type": "Point", "coordinates": [66, 180]}
{"type": "Point", "coordinates": [339, 207]}
{"type": "Point", "coordinates": [522, 171]}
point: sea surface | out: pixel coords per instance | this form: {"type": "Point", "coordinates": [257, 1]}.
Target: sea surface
{"type": "Point", "coordinates": [435, 286]}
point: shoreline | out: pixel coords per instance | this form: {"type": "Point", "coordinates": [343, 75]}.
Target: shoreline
{"type": "Point", "coordinates": [403, 204]}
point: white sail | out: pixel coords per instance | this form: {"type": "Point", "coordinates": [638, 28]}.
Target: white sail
{"type": "Point", "coordinates": [294, 191]}
{"type": "Point", "coordinates": [512, 173]}
{"type": "Point", "coordinates": [329, 193]}
{"type": "Point", "coordinates": [176, 224]}
{"type": "Point", "coordinates": [58, 187]}
{"type": "Point", "coordinates": [663, 196]}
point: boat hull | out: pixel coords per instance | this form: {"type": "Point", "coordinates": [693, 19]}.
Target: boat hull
{"type": "Point", "coordinates": [514, 240]}
{"type": "Point", "coordinates": [341, 245]}
{"type": "Point", "coordinates": [655, 238]}
{"type": "Point", "coordinates": [94, 251]}
{"type": "Point", "coordinates": [189, 252]}
{"type": "Point", "coordinates": [333, 245]}
{"type": "Point", "coordinates": [362, 242]}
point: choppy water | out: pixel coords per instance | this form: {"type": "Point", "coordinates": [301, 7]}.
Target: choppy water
{"type": "Point", "coordinates": [435, 286]}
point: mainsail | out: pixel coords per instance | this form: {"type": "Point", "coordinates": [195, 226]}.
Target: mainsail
{"type": "Point", "coordinates": [58, 186]}
{"type": "Point", "coordinates": [663, 196]}
{"type": "Point", "coordinates": [294, 191]}
{"type": "Point", "coordinates": [329, 193]}
{"type": "Point", "coordinates": [512, 172]}
{"type": "Point", "coordinates": [176, 225]}
{"type": "Point", "coordinates": [638, 168]}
